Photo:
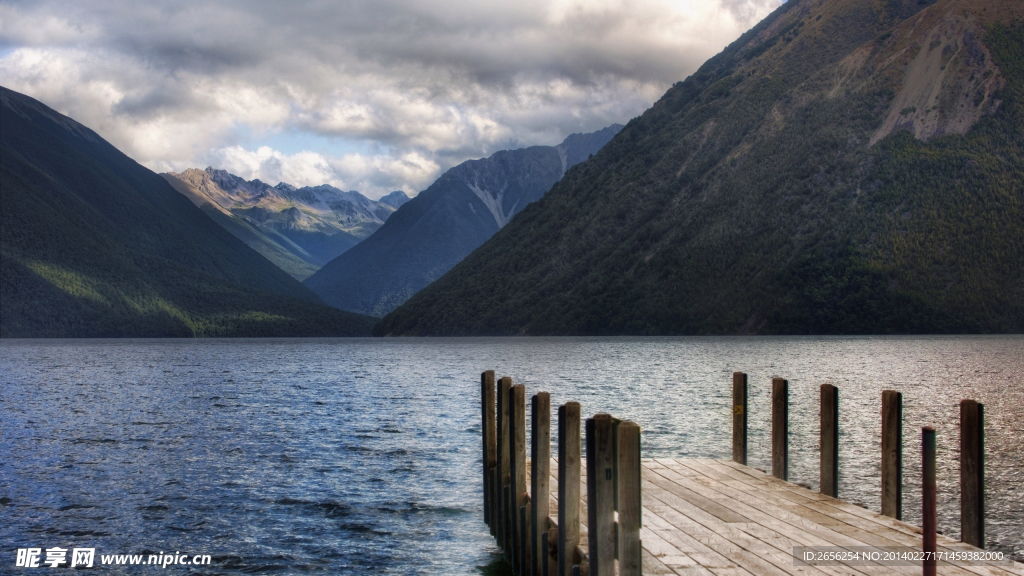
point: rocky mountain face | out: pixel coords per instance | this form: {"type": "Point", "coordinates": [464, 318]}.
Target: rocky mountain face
{"type": "Point", "coordinates": [846, 166]}
{"type": "Point", "coordinates": [445, 222]}
{"type": "Point", "coordinates": [94, 245]}
{"type": "Point", "coordinates": [299, 229]}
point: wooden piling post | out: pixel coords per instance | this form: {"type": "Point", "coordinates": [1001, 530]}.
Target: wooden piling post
{"type": "Point", "coordinates": [495, 503]}
{"type": "Point", "coordinates": [739, 417]}
{"type": "Point", "coordinates": [829, 478]}
{"type": "Point", "coordinates": [524, 539]}
{"type": "Point", "coordinates": [780, 428]}
{"type": "Point", "coordinates": [517, 449]}
{"type": "Point", "coordinates": [510, 525]}
{"type": "Point", "coordinates": [928, 497]}
{"type": "Point", "coordinates": [892, 454]}
{"type": "Point", "coordinates": [490, 441]}
{"type": "Point", "coordinates": [628, 454]}
{"type": "Point", "coordinates": [545, 554]}
{"type": "Point", "coordinates": [506, 527]}
{"type": "Point", "coordinates": [569, 463]}
{"type": "Point", "coordinates": [540, 475]}
{"type": "Point", "coordinates": [501, 508]}
{"type": "Point", "coordinates": [972, 473]}
{"type": "Point", "coordinates": [601, 495]}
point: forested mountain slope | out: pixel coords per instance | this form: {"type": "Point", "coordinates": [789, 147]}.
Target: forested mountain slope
{"type": "Point", "coordinates": [445, 222]}
{"type": "Point", "coordinates": [92, 244]}
{"type": "Point", "coordinates": [846, 166]}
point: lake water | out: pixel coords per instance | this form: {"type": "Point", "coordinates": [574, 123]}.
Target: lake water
{"type": "Point", "coordinates": [362, 456]}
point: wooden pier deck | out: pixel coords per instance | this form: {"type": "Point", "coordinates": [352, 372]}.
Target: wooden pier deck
{"type": "Point", "coordinates": [720, 518]}
{"type": "Point", "coordinates": [598, 508]}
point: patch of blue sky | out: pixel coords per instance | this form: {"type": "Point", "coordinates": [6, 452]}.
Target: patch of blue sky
{"type": "Point", "coordinates": [294, 141]}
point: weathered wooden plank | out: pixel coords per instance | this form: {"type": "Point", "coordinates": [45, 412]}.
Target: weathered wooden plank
{"type": "Point", "coordinates": [850, 519]}
{"type": "Point", "coordinates": [900, 533]}
{"type": "Point", "coordinates": [722, 551]}
{"type": "Point", "coordinates": [777, 548]}
{"type": "Point", "coordinates": [707, 529]}
{"type": "Point", "coordinates": [715, 508]}
{"type": "Point", "coordinates": [866, 519]}
{"type": "Point", "coordinates": [892, 532]}
{"type": "Point", "coordinates": [687, 545]}
{"type": "Point", "coordinates": [662, 557]}
{"type": "Point", "coordinates": [803, 529]}
{"type": "Point", "coordinates": [666, 504]}
{"type": "Point", "coordinates": [862, 523]}
{"type": "Point", "coordinates": [787, 529]}
{"type": "Point", "coordinates": [794, 500]}
{"type": "Point", "coordinates": [681, 535]}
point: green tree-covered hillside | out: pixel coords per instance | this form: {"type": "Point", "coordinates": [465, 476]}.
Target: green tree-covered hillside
{"type": "Point", "coordinates": [94, 245]}
{"type": "Point", "coordinates": [846, 167]}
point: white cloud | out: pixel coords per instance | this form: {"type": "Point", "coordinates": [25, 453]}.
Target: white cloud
{"type": "Point", "coordinates": [423, 85]}
{"type": "Point", "coordinates": [374, 176]}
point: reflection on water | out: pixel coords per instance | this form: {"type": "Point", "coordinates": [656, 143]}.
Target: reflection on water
{"type": "Point", "coordinates": [362, 456]}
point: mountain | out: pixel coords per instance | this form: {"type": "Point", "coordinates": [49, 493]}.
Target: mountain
{"type": "Point", "coordinates": [844, 167]}
{"type": "Point", "coordinates": [298, 229]}
{"type": "Point", "coordinates": [394, 199]}
{"type": "Point", "coordinates": [94, 245]}
{"type": "Point", "coordinates": [445, 222]}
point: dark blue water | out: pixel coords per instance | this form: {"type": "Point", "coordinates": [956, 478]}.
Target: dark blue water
{"type": "Point", "coordinates": [362, 456]}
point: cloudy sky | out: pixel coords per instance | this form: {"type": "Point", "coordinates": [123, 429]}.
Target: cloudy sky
{"type": "Point", "coordinates": [370, 95]}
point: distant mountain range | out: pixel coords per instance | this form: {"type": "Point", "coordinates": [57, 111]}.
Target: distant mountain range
{"type": "Point", "coordinates": [445, 222]}
{"type": "Point", "coordinates": [94, 245]}
{"type": "Point", "coordinates": [298, 229]}
{"type": "Point", "coordinates": [845, 167]}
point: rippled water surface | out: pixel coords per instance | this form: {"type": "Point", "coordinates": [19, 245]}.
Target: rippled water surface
{"type": "Point", "coordinates": [361, 456]}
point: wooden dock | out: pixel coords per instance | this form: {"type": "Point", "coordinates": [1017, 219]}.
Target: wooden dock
{"type": "Point", "coordinates": [699, 517]}
{"type": "Point", "coordinates": [719, 517]}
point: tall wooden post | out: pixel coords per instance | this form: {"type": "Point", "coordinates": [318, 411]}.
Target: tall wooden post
{"type": "Point", "coordinates": [506, 527]}
{"type": "Point", "coordinates": [972, 473]}
{"type": "Point", "coordinates": [829, 478]}
{"type": "Point", "coordinates": [569, 463]}
{"type": "Point", "coordinates": [503, 473]}
{"type": "Point", "coordinates": [601, 495]}
{"type": "Point", "coordinates": [780, 428]}
{"type": "Point", "coordinates": [628, 454]}
{"type": "Point", "coordinates": [524, 539]}
{"type": "Point", "coordinates": [517, 448]}
{"type": "Point", "coordinates": [490, 441]}
{"type": "Point", "coordinates": [892, 454]}
{"type": "Point", "coordinates": [739, 417]}
{"type": "Point", "coordinates": [540, 475]}
{"type": "Point", "coordinates": [545, 553]}
{"type": "Point", "coordinates": [928, 497]}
